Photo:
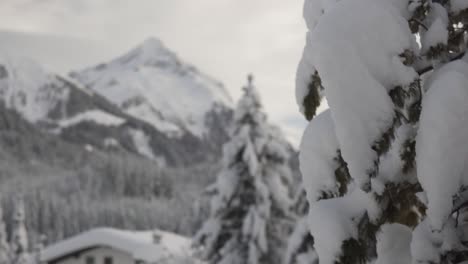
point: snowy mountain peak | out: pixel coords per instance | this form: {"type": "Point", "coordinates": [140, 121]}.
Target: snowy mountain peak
{"type": "Point", "coordinates": [151, 52]}
{"type": "Point", "coordinates": [152, 44]}
{"type": "Point", "coordinates": [151, 83]}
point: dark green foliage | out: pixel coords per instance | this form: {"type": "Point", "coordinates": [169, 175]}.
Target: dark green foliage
{"type": "Point", "coordinates": [407, 107]}
{"type": "Point", "coordinates": [455, 256]}
{"type": "Point", "coordinates": [382, 145]}
{"type": "Point", "coordinates": [400, 204]}
{"type": "Point", "coordinates": [407, 102]}
{"type": "Point", "coordinates": [408, 155]}
{"type": "Point", "coordinates": [419, 15]}
{"type": "Point", "coordinates": [307, 245]}
{"type": "Point", "coordinates": [353, 252]}
{"type": "Point", "coordinates": [342, 174]}
{"type": "Point", "coordinates": [437, 52]}
{"type": "Point", "coordinates": [398, 94]}
{"type": "Point", "coordinates": [313, 98]}
{"type": "Point", "coordinates": [358, 251]}
{"type": "Point", "coordinates": [408, 57]}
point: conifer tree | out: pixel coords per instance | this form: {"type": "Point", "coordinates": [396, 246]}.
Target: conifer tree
{"type": "Point", "coordinates": [277, 175]}
{"type": "Point", "coordinates": [5, 254]}
{"type": "Point", "coordinates": [250, 204]}
{"type": "Point", "coordinates": [384, 167]}
{"type": "Point", "coordinates": [19, 235]}
{"type": "Point", "coordinates": [300, 248]}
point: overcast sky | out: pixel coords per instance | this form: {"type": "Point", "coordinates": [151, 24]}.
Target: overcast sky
{"type": "Point", "coordinates": [224, 38]}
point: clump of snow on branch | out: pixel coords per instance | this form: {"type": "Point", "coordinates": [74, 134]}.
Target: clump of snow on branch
{"type": "Point", "coordinates": [393, 244]}
{"type": "Point", "coordinates": [437, 33]}
{"type": "Point", "coordinates": [460, 66]}
{"type": "Point", "coordinates": [428, 246]}
{"type": "Point", "coordinates": [303, 77]}
{"type": "Point", "coordinates": [319, 149]}
{"type": "Point", "coordinates": [391, 163]}
{"type": "Point", "coordinates": [300, 250]}
{"type": "Point", "coordinates": [335, 220]}
{"type": "Point", "coordinates": [443, 127]}
{"type": "Point", "coordinates": [358, 70]}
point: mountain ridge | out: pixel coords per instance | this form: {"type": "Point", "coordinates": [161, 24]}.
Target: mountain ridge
{"type": "Point", "coordinates": [79, 114]}
{"type": "Point", "coordinates": [152, 83]}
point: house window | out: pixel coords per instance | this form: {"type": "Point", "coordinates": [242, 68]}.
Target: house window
{"type": "Point", "coordinates": [90, 260]}
{"type": "Point", "coordinates": [108, 260]}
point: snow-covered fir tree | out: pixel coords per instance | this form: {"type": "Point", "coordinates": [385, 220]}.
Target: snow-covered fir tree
{"type": "Point", "coordinates": [4, 247]}
{"type": "Point", "coordinates": [385, 167]}
{"type": "Point", "coordinates": [301, 245]}
{"type": "Point", "coordinates": [300, 248]}
{"type": "Point", "coordinates": [276, 173]}
{"type": "Point", "coordinates": [19, 235]}
{"type": "Point", "coordinates": [249, 218]}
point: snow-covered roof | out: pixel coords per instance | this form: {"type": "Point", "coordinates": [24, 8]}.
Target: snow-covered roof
{"type": "Point", "coordinates": [139, 244]}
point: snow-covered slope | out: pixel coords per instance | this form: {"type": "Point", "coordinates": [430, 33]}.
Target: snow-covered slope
{"type": "Point", "coordinates": [27, 88]}
{"type": "Point", "coordinates": [41, 96]}
{"type": "Point", "coordinates": [151, 83]}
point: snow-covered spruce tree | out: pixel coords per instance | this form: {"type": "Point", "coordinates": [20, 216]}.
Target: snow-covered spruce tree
{"type": "Point", "coordinates": [300, 248]}
{"type": "Point", "coordinates": [249, 217]}
{"type": "Point", "coordinates": [384, 167]}
{"type": "Point", "coordinates": [301, 245]}
{"type": "Point", "coordinates": [276, 172]}
{"type": "Point", "coordinates": [19, 235]}
{"type": "Point", "coordinates": [4, 247]}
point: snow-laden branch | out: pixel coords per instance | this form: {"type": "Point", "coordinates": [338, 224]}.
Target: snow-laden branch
{"type": "Point", "coordinates": [461, 201]}
{"type": "Point", "coordinates": [427, 66]}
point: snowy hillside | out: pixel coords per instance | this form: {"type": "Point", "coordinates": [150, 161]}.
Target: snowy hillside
{"type": "Point", "coordinates": [151, 83]}
{"type": "Point", "coordinates": [41, 96]}
{"type": "Point", "coordinates": [27, 88]}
